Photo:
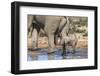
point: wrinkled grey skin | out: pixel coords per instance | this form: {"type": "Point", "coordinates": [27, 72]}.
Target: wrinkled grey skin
{"type": "Point", "coordinates": [51, 25]}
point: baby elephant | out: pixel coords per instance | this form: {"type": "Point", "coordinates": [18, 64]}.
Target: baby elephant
{"type": "Point", "coordinates": [70, 41]}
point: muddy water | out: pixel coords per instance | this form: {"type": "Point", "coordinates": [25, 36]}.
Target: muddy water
{"type": "Point", "coordinates": [41, 54]}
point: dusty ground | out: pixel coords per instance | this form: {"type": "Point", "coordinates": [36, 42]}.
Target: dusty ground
{"type": "Point", "coordinates": [43, 42]}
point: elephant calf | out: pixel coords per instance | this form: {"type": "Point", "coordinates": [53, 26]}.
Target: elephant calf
{"type": "Point", "coordinates": [70, 41]}
{"type": "Point", "coordinates": [69, 38]}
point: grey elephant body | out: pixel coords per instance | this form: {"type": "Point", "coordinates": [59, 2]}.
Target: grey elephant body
{"type": "Point", "coordinates": [51, 25]}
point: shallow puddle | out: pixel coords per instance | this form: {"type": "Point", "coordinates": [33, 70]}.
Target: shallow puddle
{"type": "Point", "coordinates": [80, 53]}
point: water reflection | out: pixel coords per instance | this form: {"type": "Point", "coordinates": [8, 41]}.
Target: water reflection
{"type": "Point", "coordinates": [58, 55]}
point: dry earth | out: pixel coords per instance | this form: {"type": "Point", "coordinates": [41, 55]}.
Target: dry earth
{"type": "Point", "coordinates": [43, 42]}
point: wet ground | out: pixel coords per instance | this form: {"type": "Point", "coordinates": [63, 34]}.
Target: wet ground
{"type": "Point", "coordinates": [41, 54]}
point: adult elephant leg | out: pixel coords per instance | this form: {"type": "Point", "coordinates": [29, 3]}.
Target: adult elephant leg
{"type": "Point", "coordinates": [56, 39]}
{"type": "Point", "coordinates": [51, 43]}
{"type": "Point", "coordinates": [30, 28]}
{"type": "Point", "coordinates": [34, 39]}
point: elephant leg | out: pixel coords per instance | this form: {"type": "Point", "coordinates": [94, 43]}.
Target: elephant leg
{"type": "Point", "coordinates": [30, 30]}
{"type": "Point", "coordinates": [74, 47]}
{"type": "Point", "coordinates": [74, 50]}
{"type": "Point", "coordinates": [64, 49]}
{"type": "Point", "coordinates": [51, 43]}
{"type": "Point", "coordinates": [56, 40]}
{"type": "Point", "coordinates": [34, 39]}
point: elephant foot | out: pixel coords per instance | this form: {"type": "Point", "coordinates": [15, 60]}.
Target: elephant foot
{"type": "Point", "coordinates": [73, 52]}
{"type": "Point", "coordinates": [63, 53]}
{"type": "Point", "coordinates": [35, 45]}
{"type": "Point", "coordinates": [50, 52]}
